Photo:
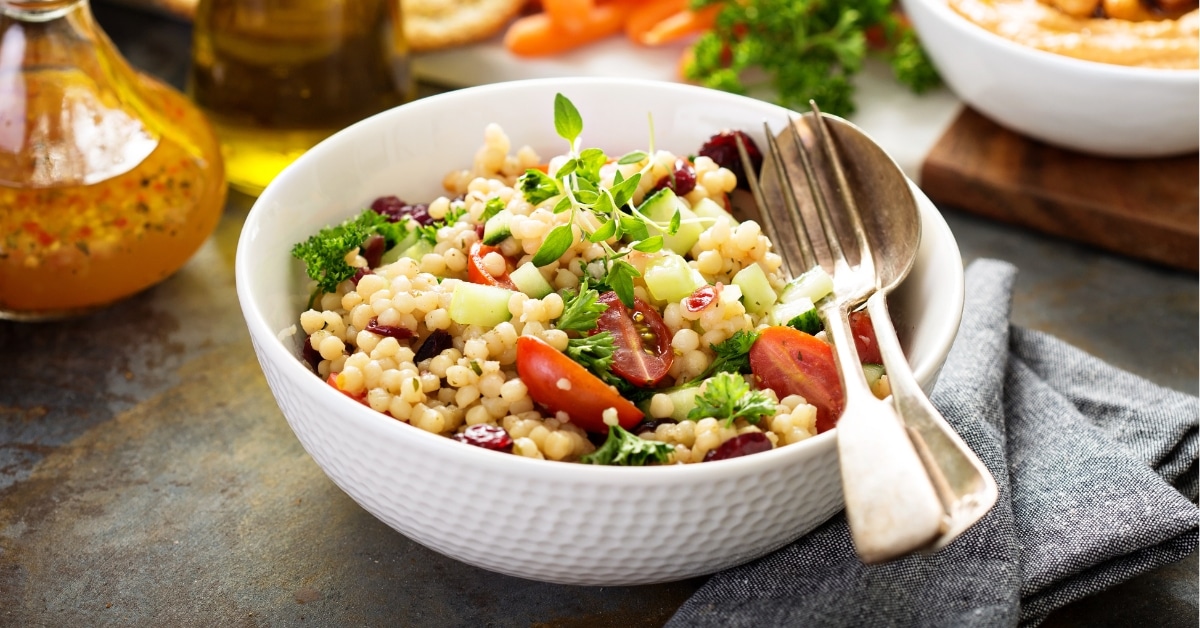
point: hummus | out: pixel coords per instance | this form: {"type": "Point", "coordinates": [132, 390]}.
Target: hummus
{"type": "Point", "coordinates": [1165, 43]}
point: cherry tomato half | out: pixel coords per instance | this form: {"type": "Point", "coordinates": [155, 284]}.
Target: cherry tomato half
{"type": "Point", "coordinates": [864, 338]}
{"type": "Point", "coordinates": [562, 385]}
{"type": "Point", "coordinates": [332, 380]}
{"type": "Point", "coordinates": [643, 353]}
{"type": "Point", "coordinates": [477, 272]}
{"type": "Point", "coordinates": [791, 362]}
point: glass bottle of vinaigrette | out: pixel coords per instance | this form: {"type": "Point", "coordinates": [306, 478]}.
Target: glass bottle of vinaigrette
{"type": "Point", "coordinates": [109, 179]}
{"type": "Point", "coordinates": [277, 76]}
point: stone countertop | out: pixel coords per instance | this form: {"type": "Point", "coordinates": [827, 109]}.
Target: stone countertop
{"type": "Point", "coordinates": [147, 476]}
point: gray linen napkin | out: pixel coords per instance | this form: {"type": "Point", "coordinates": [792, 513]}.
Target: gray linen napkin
{"type": "Point", "coordinates": [1093, 465]}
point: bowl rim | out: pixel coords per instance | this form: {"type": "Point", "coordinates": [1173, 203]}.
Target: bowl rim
{"type": "Point", "coordinates": [291, 368]}
{"type": "Point", "coordinates": [941, 9]}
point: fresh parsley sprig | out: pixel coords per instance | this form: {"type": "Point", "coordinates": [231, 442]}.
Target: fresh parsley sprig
{"type": "Point", "coordinates": [727, 396]}
{"type": "Point", "coordinates": [595, 353]}
{"type": "Point", "coordinates": [622, 448]}
{"type": "Point", "coordinates": [581, 309]}
{"type": "Point", "coordinates": [324, 253]}
{"type": "Point", "coordinates": [732, 355]}
{"type": "Point", "coordinates": [805, 49]}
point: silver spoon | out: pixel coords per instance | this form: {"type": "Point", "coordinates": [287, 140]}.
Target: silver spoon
{"type": "Point", "coordinates": [892, 221]}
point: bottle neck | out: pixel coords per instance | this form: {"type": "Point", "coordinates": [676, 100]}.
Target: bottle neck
{"type": "Point", "coordinates": [71, 112]}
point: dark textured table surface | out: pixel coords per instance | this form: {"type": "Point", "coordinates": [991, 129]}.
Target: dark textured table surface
{"type": "Point", "coordinates": [147, 476]}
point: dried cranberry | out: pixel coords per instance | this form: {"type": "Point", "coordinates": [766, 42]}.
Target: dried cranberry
{"type": "Point", "coordinates": [740, 445]}
{"type": "Point", "coordinates": [700, 299]}
{"type": "Point", "coordinates": [649, 425]}
{"type": "Point", "coordinates": [487, 436]}
{"type": "Point", "coordinates": [372, 249]}
{"type": "Point", "coordinates": [359, 274]}
{"type": "Point", "coordinates": [399, 333]}
{"type": "Point", "coordinates": [722, 148]}
{"type": "Point", "coordinates": [681, 180]}
{"type": "Point", "coordinates": [435, 343]}
{"type": "Point", "coordinates": [311, 356]}
{"type": "Point", "coordinates": [396, 209]}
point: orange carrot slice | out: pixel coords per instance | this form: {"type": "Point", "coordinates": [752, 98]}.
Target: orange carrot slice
{"type": "Point", "coordinates": [681, 24]}
{"type": "Point", "coordinates": [571, 15]}
{"type": "Point", "coordinates": [539, 35]}
{"type": "Point", "coordinates": [649, 14]}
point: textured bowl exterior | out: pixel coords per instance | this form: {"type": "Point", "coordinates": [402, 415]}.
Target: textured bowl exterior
{"type": "Point", "coordinates": [1092, 107]}
{"type": "Point", "coordinates": [548, 521]}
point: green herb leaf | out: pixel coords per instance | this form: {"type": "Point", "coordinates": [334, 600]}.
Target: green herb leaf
{"type": "Point", "coordinates": [620, 279]}
{"type": "Point", "coordinates": [581, 309]}
{"type": "Point", "coordinates": [728, 397]}
{"type": "Point", "coordinates": [491, 208]}
{"type": "Point", "coordinates": [563, 204]}
{"type": "Point", "coordinates": [567, 121]}
{"type": "Point", "coordinates": [634, 227]}
{"type": "Point", "coordinates": [590, 161]}
{"type": "Point", "coordinates": [537, 187]}
{"type": "Point", "coordinates": [556, 243]}
{"type": "Point", "coordinates": [623, 191]}
{"type": "Point", "coordinates": [624, 449]}
{"type": "Point", "coordinates": [604, 205]}
{"type": "Point", "coordinates": [653, 244]}
{"type": "Point", "coordinates": [606, 231]}
{"type": "Point", "coordinates": [568, 167]}
{"type": "Point", "coordinates": [676, 220]}
{"type": "Point", "coordinates": [632, 157]}
{"type": "Point", "coordinates": [733, 355]}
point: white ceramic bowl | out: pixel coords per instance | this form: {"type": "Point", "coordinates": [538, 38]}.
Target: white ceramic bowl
{"type": "Point", "coordinates": [549, 521]}
{"type": "Point", "coordinates": [1097, 108]}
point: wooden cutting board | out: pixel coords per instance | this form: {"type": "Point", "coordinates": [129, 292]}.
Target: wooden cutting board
{"type": "Point", "coordinates": [1146, 209]}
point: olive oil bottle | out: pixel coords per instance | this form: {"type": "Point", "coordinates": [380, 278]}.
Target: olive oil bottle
{"type": "Point", "coordinates": [275, 77]}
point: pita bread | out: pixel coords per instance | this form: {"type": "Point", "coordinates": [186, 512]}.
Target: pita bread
{"type": "Point", "coordinates": [436, 24]}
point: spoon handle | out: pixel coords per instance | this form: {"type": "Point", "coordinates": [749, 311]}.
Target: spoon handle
{"type": "Point", "coordinates": [891, 507]}
{"type": "Point", "coordinates": [964, 485]}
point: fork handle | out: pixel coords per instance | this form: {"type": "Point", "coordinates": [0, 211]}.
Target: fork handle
{"type": "Point", "coordinates": [964, 485]}
{"type": "Point", "coordinates": [891, 506]}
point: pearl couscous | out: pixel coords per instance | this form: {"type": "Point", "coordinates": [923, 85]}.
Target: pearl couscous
{"type": "Point", "coordinates": [519, 319]}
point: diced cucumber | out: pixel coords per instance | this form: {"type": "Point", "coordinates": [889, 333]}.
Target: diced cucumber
{"type": "Point", "coordinates": [477, 304]}
{"type": "Point", "coordinates": [669, 278]}
{"type": "Point", "coordinates": [784, 311]}
{"type": "Point", "coordinates": [683, 399]}
{"type": "Point", "coordinates": [496, 228]}
{"type": "Point", "coordinates": [528, 279]}
{"type": "Point", "coordinates": [396, 252]}
{"type": "Point", "coordinates": [757, 294]}
{"type": "Point", "coordinates": [875, 373]}
{"type": "Point", "coordinates": [708, 208]}
{"type": "Point", "coordinates": [813, 284]}
{"type": "Point", "coordinates": [661, 207]}
{"type": "Point", "coordinates": [419, 249]}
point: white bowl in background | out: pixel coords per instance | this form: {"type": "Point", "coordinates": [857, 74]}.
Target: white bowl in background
{"type": "Point", "coordinates": [543, 520]}
{"type": "Point", "coordinates": [1098, 108]}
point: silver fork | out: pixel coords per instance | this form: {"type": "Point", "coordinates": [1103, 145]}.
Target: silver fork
{"type": "Point", "coordinates": [892, 506]}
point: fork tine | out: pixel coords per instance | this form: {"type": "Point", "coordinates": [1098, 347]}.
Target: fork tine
{"type": "Point", "coordinates": [808, 254]}
{"type": "Point", "coordinates": [865, 260]}
{"type": "Point", "coordinates": [824, 214]}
